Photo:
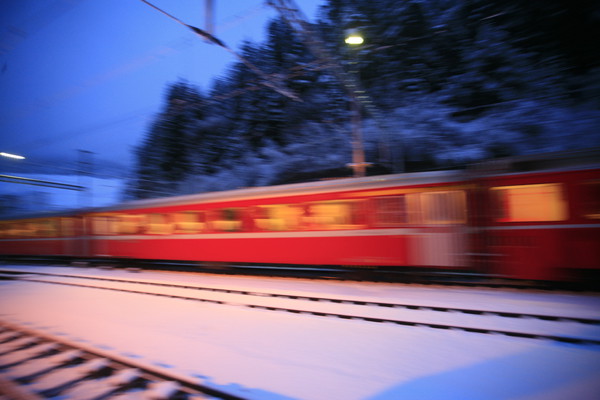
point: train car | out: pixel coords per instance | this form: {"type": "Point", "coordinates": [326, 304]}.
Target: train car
{"type": "Point", "coordinates": [414, 219]}
{"type": "Point", "coordinates": [48, 234]}
{"type": "Point", "coordinates": [528, 218]}
{"type": "Point", "coordinates": [542, 217]}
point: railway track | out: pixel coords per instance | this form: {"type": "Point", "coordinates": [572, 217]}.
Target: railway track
{"type": "Point", "coordinates": [339, 273]}
{"type": "Point", "coordinates": [561, 328]}
{"type": "Point", "coordinates": [36, 365]}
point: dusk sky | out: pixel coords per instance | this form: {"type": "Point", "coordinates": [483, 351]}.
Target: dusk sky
{"type": "Point", "coordinates": [91, 74]}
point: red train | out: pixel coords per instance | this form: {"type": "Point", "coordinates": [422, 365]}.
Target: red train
{"type": "Point", "coordinates": [528, 218]}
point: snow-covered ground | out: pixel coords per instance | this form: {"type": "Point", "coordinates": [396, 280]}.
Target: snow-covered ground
{"type": "Point", "coordinates": [260, 354]}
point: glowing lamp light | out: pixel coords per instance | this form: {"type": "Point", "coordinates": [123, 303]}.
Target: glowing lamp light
{"type": "Point", "coordinates": [9, 155]}
{"type": "Point", "coordinates": [354, 39]}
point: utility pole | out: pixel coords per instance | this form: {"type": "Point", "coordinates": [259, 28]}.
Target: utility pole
{"type": "Point", "coordinates": [209, 17]}
{"type": "Point", "coordinates": [85, 165]}
{"type": "Point", "coordinates": [297, 21]}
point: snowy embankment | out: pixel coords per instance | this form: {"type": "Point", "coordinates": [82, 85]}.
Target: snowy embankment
{"type": "Point", "coordinates": [262, 354]}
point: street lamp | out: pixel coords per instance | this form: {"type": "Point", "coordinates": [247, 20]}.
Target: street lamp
{"type": "Point", "coordinates": [9, 155]}
{"type": "Point", "coordinates": [354, 38]}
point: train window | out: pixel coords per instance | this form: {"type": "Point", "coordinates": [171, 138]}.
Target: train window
{"type": "Point", "coordinates": [537, 202]}
{"type": "Point", "coordinates": [106, 224]}
{"type": "Point", "coordinates": [99, 225]}
{"type": "Point", "coordinates": [67, 227]}
{"type": "Point", "coordinates": [444, 207]}
{"type": "Point", "coordinates": [591, 199]}
{"type": "Point", "coordinates": [44, 228]}
{"type": "Point", "coordinates": [29, 229]}
{"type": "Point", "coordinates": [334, 215]}
{"type": "Point", "coordinates": [280, 217]}
{"type": "Point", "coordinates": [158, 224]}
{"type": "Point", "coordinates": [227, 220]}
{"type": "Point", "coordinates": [189, 222]}
{"type": "Point", "coordinates": [129, 224]}
{"type": "Point", "coordinates": [390, 211]}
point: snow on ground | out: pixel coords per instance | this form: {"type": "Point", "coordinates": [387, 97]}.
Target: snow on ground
{"type": "Point", "coordinates": [262, 354]}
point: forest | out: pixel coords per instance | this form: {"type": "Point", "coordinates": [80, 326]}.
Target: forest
{"type": "Point", "coordinates": [439, 84]}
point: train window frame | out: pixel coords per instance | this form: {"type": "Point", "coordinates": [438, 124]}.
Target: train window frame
{"type": "Point", "coordinates": [514, 201]}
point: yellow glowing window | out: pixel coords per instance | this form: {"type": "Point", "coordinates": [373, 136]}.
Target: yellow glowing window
{"type": "Point", "coordinates": [158, 224]}
{"type": "Point", "coordinates": [334, 215]}
{"type": "Point", "coordinates": [227, 219]}
{"type": "Point", "coordinates": [129, 224]}
{"type": "Point", "coordinates": [539, 202]}
{"type": "Point", "coordinates": [444, 207]}
{"type": "Point", "coordinates": [31, 229]}
{"type": "Point", "coordinates": [189, 222]}
{"type": "Point", "coordinates": [279, 217]}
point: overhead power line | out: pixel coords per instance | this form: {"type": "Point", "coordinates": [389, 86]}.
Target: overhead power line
{"type": "Point", "coordinates": [39, 182]}
{"type": "Point", "coordinates": [267, 80]}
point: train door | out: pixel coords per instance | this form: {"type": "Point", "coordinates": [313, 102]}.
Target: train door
{"type": "Point", "coordinates": [441, 240]}
{"type": "Point", "coordinates": [77, 239]}
{"type": "Point", "coordinates": [526, 228]}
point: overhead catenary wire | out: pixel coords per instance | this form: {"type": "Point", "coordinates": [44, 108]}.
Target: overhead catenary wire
{"type": "Point", "coordinates": [267, 80]}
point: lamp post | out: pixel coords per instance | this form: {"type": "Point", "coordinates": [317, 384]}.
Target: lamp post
{"type": "Point", "coordinates": [353, 39]}
{"type": "Point", "coordinates": [10, 155]}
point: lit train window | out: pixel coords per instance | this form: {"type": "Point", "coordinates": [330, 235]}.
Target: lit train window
{"type": "Point", "coordinates": [227, 220]}
{"type": "Point", "coordinates": [444, 207]}
{"type": "Point", "coordinates": [591, 200]}
{"type": "Point", "coordinates": [13, 229]}
{"type": "Point", "coordinates": [280, 217]}
{"type": "Point", "coordinates": [334, 215]}
{"type": "Point", "coordinates": [538, 202]}
{"type": "Point", "coordinates": [413, 208]}
{"type": "Point", "coordinates": [158, 224]}
{"type": "Point", "coordinates": [29, 229]}
{"type": "Point", "coordinates": [189, 222]}
{"type": "Point", "coordinates": [129, 224]}
{"type": "Point", "coordinates": [390, 211]}
{"type": "Point", "coordinates": [100, 225]}
{"type": "Point", "coordinates": [105, 225]}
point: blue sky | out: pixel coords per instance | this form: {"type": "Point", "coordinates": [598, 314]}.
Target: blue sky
{"type": "Point", "coordinates": [91, 74]}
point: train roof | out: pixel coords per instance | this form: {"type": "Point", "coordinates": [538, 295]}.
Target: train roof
{"type": "Point", "coordinates": [334, 185]}
{"type": "Point", "coordinates": [558, 161]}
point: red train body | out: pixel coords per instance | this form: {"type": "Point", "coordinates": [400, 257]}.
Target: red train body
{"type": "Point", "coordinates": [540, 224]}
